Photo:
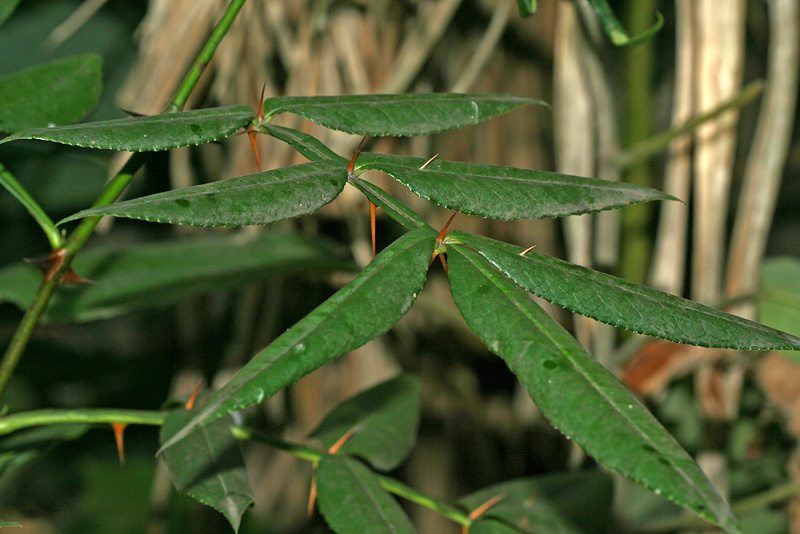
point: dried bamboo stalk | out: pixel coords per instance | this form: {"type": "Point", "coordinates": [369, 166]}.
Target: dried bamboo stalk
{"type": "Point", "coordinates": [719, 65]}
{"type": "Point", "coordinates": [767, 155]}
{"type": "Point", "coordinates": [669, 255]}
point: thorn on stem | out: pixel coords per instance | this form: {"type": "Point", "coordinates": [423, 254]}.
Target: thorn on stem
{"type": "Point", "coordinates": [480, 510]}
{"type": "Point", "coordinates": [352, 164]}
{"type": "Point", "coordinates": [119, 437]}
{"type": "Point", "coordinates": [312, 494]}
{"type": "Point", "coordinates": [52, 263]}
{"type": "Point", "coordinates": [372, 210]}
{"type": "Point", "coordinates": [261, 103]}
{"type": "Point", "coordinates": [428, 162]}
{"type": "Point", "coordinates": [527, 250]}
{"type": "Point", "coordinates": [252, 135]}
{"type": "Point", "coordinates": [193, 398]}
{"type": "Point", "coordinates": [344, 439]}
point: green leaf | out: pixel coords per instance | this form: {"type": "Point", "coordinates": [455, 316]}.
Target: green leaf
{"type": "Point", "coordinates": [61, 92]}
{"type": "Point", "coordinates": [562, 503]}
{"type": "Point", "coordinates": [5, 524]}
{"type": "Point", "coordinates": [526, 7]}
{"type": "Point", "coordinates": [506, 192]}
{"type": "Point", "coordinates": [407, 114]}
{"type": "Point", "coordinates": [614, 30]}
{"type": "Point", "coordinates": [157, 275]}
{"type": "Point", "coordinates": [383, 420]}
{"type": "Point", "coordinates": [624, 304]}
{"type": "Point", "coordinates": [208, 465]}
{"type": "Point", "coordinates": [779, 298]}
{"type": "Point", "coordinates": [148, 134]}
{"type": "Point", "coordinates": [363, 309]}
{"type": "Point", "coordinates": [395, 209]}
{"type": "Point", "coordinates": [352, 500]}
{"type": "Point", "coordinates": [21, 194]}
{"type": "Point", "coordinates": [308, 145]}
{"type": "Point", "coordinates": [260, 198]}
{"type": "Point", "coordinates": [578, 395]}
{"type": "Point", "coordinates": [7, 7]}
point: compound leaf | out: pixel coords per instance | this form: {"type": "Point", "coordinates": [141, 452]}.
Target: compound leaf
{"type": "Point", "coordinates": [578, 395]}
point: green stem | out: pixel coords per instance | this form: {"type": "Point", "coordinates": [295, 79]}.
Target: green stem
{"type": "Point", "coordinates": [389, 484]}
{"type": "Point", "coordinates": [115, 187]}
{"type": "Point", "coordinates": [199, 65]}
{"type": "Point", "coordinates": [21, 420]}
{"type": "Point", "coordinates": [643, 150]}
{"type": "Point", "coordinates": [19, 192]}
{"type": "Point", "coordinates": [638, 126]}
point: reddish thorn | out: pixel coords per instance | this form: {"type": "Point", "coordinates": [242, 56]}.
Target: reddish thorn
{"type": "Point", "coordinates": [312, 494]}
{"type": "Point", "coordinates": [193, 398]}
{"type": "Point", "coordinates": [372, 209]}
{"type": "Point", "coordinates": [55, 261]}
{"type": "Point", "coordinates": [119, 431]}
{"type": "Point", "coordinates": [480, 510]}
{"type": "Point", "coordinates": [444, 263]}
{"type": "Point", "coordinates": [428, 162]}
{"type": "Point", "coordinates": [527, 250]}
{"type": "Point", "coordinates": [446, 225]}
{"type": "Point", "coordinates": [252, 136]}
{"type": "Point", "coordinates": [71, 277]}
{"type": "Point", "coordinates": [261, 103]}
{"type": "Point", "coordinates": [352, 163]}
{"type": "Point", "coordinates": [344, 439]}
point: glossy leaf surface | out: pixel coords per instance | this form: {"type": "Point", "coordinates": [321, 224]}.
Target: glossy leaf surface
{"type": "Point", "coordinates": [405, 114]}
{"type": "Point", "coordinates": [57, 93]}
{"type": "Point", "coordinates": [353, 502]}
{"type": "Point", "coordinates": [156, 275]}
{"type": "Point", "coordinates": [363, 309]}
{"type": "Point", "coordinates": [383, 421]}
{"type": "Point", "coordinates": [576, 394]}
{"type": "Point", "coordinates": [260, 198]}
{"type": "Point", "coordinates": [506, 192]}
{"type": "Point", "coordinates": [148, 134]}
{"type": "Point", "coordinates": [563, 503]}
{"type": "Point", "coordinates": [624, 304]}
{"type": "Point", "coordinates": [208, 465]}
